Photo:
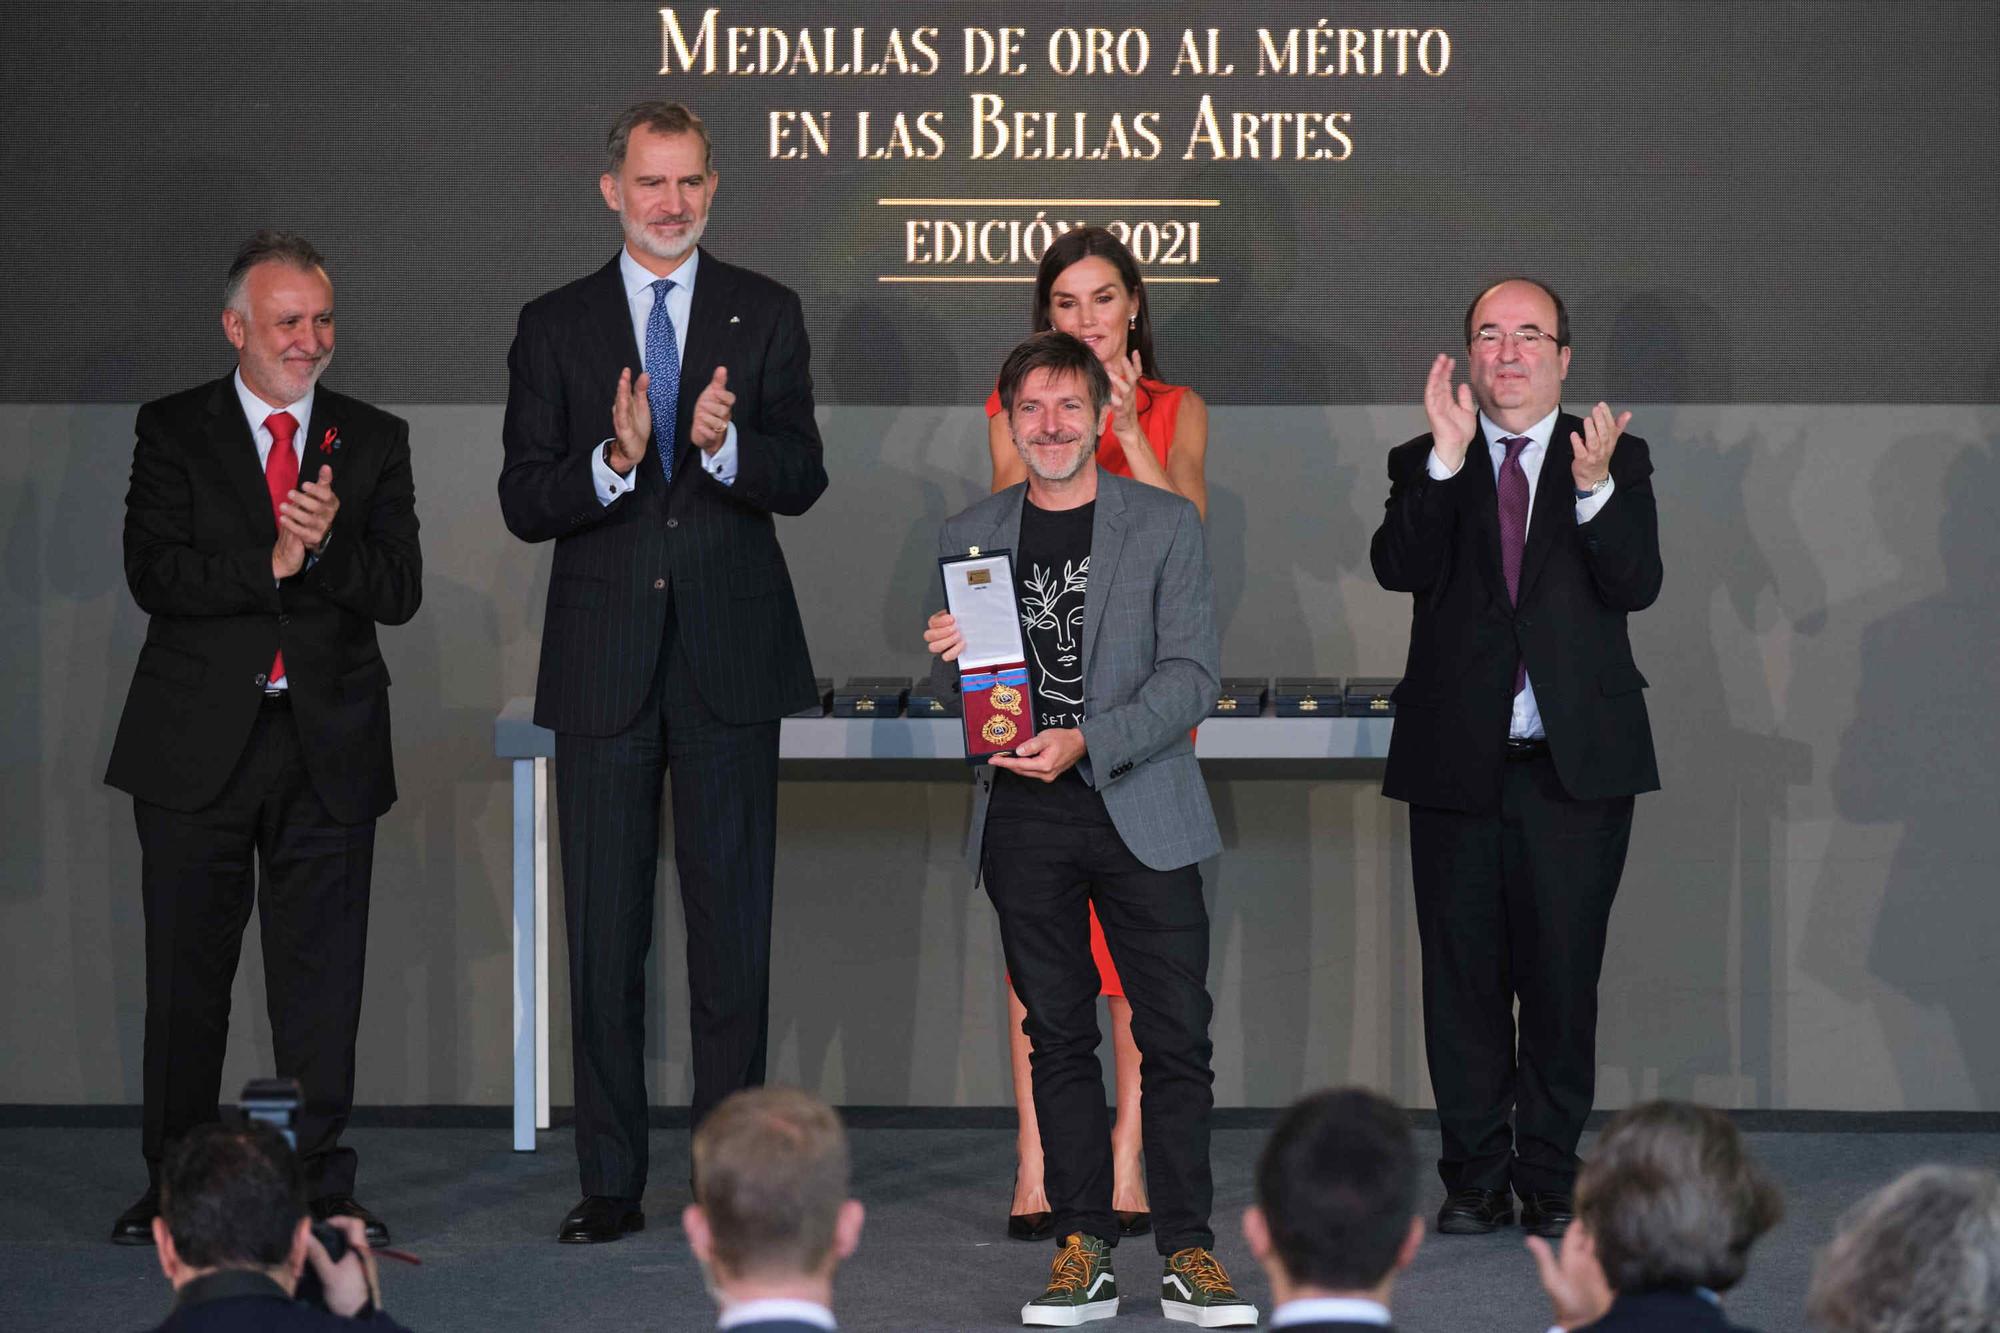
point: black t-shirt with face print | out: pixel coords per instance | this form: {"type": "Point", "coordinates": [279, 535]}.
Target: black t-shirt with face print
{"type": "Point", "coordinates": [1051, 577]}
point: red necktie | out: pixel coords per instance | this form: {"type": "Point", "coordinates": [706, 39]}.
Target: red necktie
{"type": "Point", "coordinates": [281, 477]}
{"type": "Point", "coordinates": [1513, 488]}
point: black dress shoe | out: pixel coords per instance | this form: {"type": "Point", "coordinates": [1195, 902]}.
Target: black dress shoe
{"type": "Point", "coordinates": [1031, 1226]}
{"type": "Point", "coordinates": [599, 1218]}
{"type": "Point", "coordinates": [135, 1225]}
{"type": "Point", "coordinates": [1475, 1212]}
{"type": "Point", "coordinates": [344, 1205]}
{"type": "Point", "coordinates": [1133, 1224]}
{"type": "Point", "coordinates": [1546, 1213]}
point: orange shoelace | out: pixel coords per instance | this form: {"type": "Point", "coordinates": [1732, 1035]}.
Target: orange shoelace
{"type": "Point", "coordinates": [1204, 1271]}
{"type": "Point", "coordinates": [1072, 1268]}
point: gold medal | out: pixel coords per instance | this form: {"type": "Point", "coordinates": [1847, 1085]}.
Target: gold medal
{"type": "Point", "coordinates": [1007, 699]}
{"type": "Point", "coordinates": [998, 730]}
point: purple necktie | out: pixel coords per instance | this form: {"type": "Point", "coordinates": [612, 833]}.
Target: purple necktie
{"type": "Point", "coordinates": [1514, 528]}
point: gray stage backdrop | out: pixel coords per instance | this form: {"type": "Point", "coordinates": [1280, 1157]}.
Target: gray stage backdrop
{"type": "Point", "coordinates": [1769, 224]}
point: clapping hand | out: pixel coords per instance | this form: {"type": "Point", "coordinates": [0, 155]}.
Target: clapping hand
{"type": "Point", "coordinates": [1590, 460]}
{"type": "Point", "coordinates": [1453, 416]}
{"type": "Point", "coordinates": [711, 412]}
{"type": "Point", "coordinates": [631, 422]}
{"type": "Point", "coordinates": [1573, 1280]}
{"type": "Point", "coordinates": [1124, 372]}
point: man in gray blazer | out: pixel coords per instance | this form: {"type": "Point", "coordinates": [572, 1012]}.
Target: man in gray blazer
{"type": "Point", "coordinates": [1104, 805]}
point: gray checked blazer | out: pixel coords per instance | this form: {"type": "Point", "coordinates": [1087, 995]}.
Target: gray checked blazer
{"type": "Point", "coordinates": [1151, 665]}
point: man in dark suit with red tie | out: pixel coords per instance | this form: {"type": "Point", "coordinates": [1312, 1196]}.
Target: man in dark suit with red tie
{"type": "Point", "coordinates": [1525, 536]}
{"type": "Point", "coordinates": [270, 526]}
{"type": "Point", "coordinates": [659, 413]}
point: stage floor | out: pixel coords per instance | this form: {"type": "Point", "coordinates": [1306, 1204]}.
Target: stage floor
{"type": "Point", "coordinates": [934, 1255]}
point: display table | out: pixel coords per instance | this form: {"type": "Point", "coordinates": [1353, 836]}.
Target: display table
{"type": "Point", "coordinates": [530, 748]}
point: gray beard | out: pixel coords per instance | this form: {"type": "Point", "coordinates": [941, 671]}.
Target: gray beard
{"type": "Point", "coordinates": [642, 240]}
{"type": "Point", "coordinates": [1027, 456]}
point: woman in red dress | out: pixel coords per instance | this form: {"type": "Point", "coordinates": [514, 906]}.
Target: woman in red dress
{"type": "Point", "coordinates": [1089, 287]}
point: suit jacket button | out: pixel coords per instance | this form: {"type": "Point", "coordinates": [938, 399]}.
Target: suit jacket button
{"type": "Point", "coordinates": [673, 522]}
{"type": "Point", "coordinates": [261, 682]}
{"type": "Point", "coordinates": [284, 620]}
{"type": "Point", "coordinates": [659, 584]}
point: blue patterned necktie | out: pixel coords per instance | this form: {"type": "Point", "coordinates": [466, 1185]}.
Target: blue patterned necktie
{"type": "Point", "coordinates": [663, 364]}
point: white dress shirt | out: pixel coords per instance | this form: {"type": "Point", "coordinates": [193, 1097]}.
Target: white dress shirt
{"type": "Point", "coordinates": [255, 410]}
{"type": "Point", "coordinates": [680, 304]}
{"type": "Point", "coordinates": [1527, 720]}
{"type": "Point", "coordinates": [1330, 1310]}
{"type": "Point", "coordinates": [771, 1311]}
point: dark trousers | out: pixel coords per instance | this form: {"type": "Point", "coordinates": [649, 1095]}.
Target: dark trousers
{"type": "Point", "coordinates": [1043, 877]}
{"type": "Point", "coordinates": [199, 878]}
{"type": "Point", "coordinates": [725, 802]}
{"type": "Point", "coordinates": [1514, 905]}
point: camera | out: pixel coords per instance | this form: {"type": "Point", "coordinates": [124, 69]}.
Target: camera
{"type": "Point", "coordinates": [275, 1102]}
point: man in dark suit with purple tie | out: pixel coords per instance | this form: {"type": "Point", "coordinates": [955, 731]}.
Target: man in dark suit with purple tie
{"type": "Point", "coordinates": [1335, 1222]}
{"type": "Point", "coordinates": [1525, 537]}
{"type": "Point", "coordinates": [659, 415]}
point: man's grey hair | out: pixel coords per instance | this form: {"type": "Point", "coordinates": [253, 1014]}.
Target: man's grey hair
{"type": "Point", "coordinates": [1672, 1199]}
{"type": "Point", "coordinates": [1919, 1255]}
{"type": "Point", "coordinates": [660, 118]}
{"type": "Point", "coordinates": [265, 245]}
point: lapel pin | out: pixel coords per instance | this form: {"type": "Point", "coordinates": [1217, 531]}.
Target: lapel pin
{"type": "Point", "coordinates": [330, 441]}
{"type": "Point", "coordinates": [733, 319]}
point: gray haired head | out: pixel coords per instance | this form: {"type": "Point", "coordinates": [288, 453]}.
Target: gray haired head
{"type": "Point", "coordinates": [1919, 1255]}
{"type": "Point", "coordinates": [265, 245]}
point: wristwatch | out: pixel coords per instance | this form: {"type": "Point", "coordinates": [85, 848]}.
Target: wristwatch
{"type": "Point", "coordinates": [1595, 488]}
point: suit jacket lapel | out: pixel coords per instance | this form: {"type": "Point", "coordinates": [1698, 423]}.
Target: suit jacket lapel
{"type": "Point", "coordinates": [706, 326]}
{"type": "Point", "coordinates": [1555, 505]}
{"type": "Point", "coordinates": [1107, 542]}
{"type": "Point", "coordinates": [236, 451]}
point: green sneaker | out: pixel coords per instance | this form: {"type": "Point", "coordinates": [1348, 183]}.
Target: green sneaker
{"type": "Point", "coordinates": [1195, 1290]}
{"type": "Point", "coordinates": [1081, 1286]}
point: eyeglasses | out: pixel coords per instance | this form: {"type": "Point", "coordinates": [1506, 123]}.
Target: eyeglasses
{"type": "Point", "coordinates": [1526, 340]}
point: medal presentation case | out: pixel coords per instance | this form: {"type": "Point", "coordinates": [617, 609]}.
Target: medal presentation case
{"type": "Point", "coordinates": [995, 707]}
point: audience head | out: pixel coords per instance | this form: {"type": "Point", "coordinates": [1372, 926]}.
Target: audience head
{"type": "Point", "coordinates": [1336, 1197]}
{"type": "Point", "coordinates": [231, 1197]}
{"type": "Point", "coordinates": [771, 1211]}
{"type": "Point", "coordinates": [1089, 287]}
{"type": "Point", "coordinates": [1919, 1255]}
{"type": "Point", "coordinates": [1670, 1199]}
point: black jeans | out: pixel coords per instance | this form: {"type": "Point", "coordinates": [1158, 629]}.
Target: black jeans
{"type": "Point", "coordinates": [1042, 877]}
{"type": "Point", "coordinates": [1514, 905]}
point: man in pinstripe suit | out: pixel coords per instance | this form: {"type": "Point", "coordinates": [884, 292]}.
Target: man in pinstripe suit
{"type": "Point", "coordinates": [659, 412]}
{"type": "Point", "coordinates": [1103, 805]}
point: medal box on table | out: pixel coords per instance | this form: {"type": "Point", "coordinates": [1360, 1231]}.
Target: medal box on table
{"type": "Point", "coordinates": [871, 696]}
{"type": "Point", "coordinates": [1242, 696]}
{"type": "Point", "coordinates": [926, 702]}
{"type": "Point", "coordinates": [1371, 696]}
{"type": "Point", "coordinates": [1308, 696]}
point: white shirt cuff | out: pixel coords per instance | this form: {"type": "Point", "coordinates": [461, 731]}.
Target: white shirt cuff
{"type": "Point", "coordinates": [609, 484]}
{"type": "Point", "coordinates": [722, 463]}
{"type": "Point", "coordinates": [1439, 472]}
{"type": "Point", "coordinates": [1587, 509]}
